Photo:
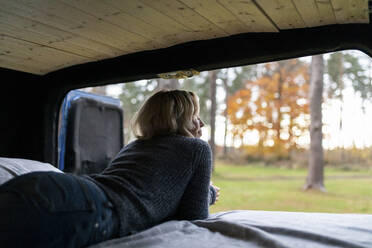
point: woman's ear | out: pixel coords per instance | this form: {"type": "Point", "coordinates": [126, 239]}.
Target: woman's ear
{"type": "Point", "coordinates": [195, 123]}
{"type": "Point", "coordinates": [193, 128]}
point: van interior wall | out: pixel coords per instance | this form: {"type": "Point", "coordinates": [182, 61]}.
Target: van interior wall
{"type": "Point", "coordinates": [235, 50]}
{"type": "Point", "coordinates": [22, 118]}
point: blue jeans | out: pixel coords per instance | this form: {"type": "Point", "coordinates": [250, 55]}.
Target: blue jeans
{"type": "Point", "coordinates": [50, 209]}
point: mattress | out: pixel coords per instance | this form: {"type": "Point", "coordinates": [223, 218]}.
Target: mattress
{"type": "Point", "coordinates": [246, 228]}
{"type": "Point", "coordinates": [12, 167]}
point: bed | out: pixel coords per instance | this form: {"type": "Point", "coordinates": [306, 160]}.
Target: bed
{"type": "Point", "coordinates": [238, 228]}
{"type": "Point", "coordinates": [246, 228]}
{"type": "Point", "coordinates": [12, 167]}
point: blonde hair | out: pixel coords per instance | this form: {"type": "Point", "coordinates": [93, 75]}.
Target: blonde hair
{"type": "Point", "coordinates": [166, 112]}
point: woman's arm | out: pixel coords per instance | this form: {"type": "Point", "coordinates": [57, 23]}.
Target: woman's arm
{"type": "Point", "coordinates": [214, 193]}
{"type": "Point", "coordinates": [195, 201]}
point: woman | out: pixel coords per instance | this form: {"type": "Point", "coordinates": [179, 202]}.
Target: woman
{"type": "Point", "coordinates": [164, 174]}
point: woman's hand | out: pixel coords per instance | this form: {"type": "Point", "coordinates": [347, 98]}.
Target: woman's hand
{"type": "Point", "coordinates": [217, 189]}
{"type": "Point", "coordinates": [198, 124]}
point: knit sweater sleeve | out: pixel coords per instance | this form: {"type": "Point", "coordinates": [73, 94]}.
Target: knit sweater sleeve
{"type": "Point", "coordinates": [197, 197]}
{"type": "Point", "coordinates": [212, 195]}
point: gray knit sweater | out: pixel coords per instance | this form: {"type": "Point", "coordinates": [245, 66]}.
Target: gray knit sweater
{"type": "Point", "coordinates": [163, 178]}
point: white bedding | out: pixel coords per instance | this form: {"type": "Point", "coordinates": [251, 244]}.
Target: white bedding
{"type": "Point", "coordinates": [12, 167]}
{"type": "Point", "coordinates": [245, 228]}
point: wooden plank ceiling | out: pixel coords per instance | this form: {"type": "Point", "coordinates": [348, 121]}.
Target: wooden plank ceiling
{"type": "Point", "coordinates": [40, 36]}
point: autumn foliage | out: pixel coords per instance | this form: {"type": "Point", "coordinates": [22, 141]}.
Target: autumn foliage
{"type": "Point", "coordinates": [274, 106]}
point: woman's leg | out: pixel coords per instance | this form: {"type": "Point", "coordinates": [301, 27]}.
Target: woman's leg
{"type": "Point", "coordinates": [47, 209]}
{"type": "Point", "coordinates": [17, 221]}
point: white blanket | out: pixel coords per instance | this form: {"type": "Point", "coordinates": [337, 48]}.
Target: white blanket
{"type": "Point", "coordinates": [244, 228]}
{"type": "Point", "coordinates": [12, 167]}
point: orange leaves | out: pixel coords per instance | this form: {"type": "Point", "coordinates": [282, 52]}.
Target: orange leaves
{"type": "Point", "coordinates": [275, 105]}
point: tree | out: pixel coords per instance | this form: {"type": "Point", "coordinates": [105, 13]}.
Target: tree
{"type": "Point", "coordinates": [227, 95]}
{"type": "Point", "coordinates": [346, 65]}
{"type": "Point", "coordinates": [315, 175]}
{"type": "Point", "coordinates": [212, 95]}
{"type": "Point", "coordinates": [231, 84]}
{"type": "Point", "coordinates": [274, 105]}
{"type": "Point", "coordinates": [361, 78]}
{"type": "Point", "coordinates": [344, 70]}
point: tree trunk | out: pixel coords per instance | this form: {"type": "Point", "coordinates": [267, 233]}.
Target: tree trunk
{"type": "Point", "coordinates": [315, 175]}
{"type": "Point", "coordinates": [341, 86]}
{"type": "Point", "coordinates": [213, 86]}
{"type": "Point", "coordinates": [278, 127]}
{"type": "Point", "coordinates": [225, 115]}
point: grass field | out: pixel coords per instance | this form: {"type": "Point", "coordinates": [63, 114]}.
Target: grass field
{"type": "Point", "coordinates": [257, 187]}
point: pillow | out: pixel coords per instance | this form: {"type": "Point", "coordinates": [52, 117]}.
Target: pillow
{"type": "Point", "coordinates": [12, 167]}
